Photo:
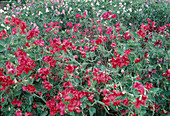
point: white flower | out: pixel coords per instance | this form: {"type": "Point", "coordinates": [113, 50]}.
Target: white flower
{"type": "Point", "coordinates": [1, 11]}
{"type": "Point", "coordinates": [79, 9]}
{"type": "Point", "coordinates": [115, 5]}
{"type": "Point", "coordinates": [4, 8]}
{"type": "Point", "coordinates": [40, 13]}
{"type": "Point", "coordinates": [140, 9]}
{"type": "Point", "coordinates": [130, 9]}
{"type": "Point", "coordinates": [118, 12]}
{"type": "Point", "coordinates": [8, 27]}
{"type": "Point", "coordinates": [2, 25]}
{"type": "Point", "coordinates": [47, 10]}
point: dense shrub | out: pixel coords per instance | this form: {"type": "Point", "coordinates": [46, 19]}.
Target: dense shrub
{"type": "Point", "coordinates": [82, 58]}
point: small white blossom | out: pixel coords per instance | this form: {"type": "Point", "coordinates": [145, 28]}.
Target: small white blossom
{"type": "Point", "coordinates": [79, 9]}
{"type": "Point", "coordinates": [47, 10]}
{"type": "Point", "coordinates": [8, 27]}
{"type": "Point", "coordinates": [2, 25]}
{"type": "Point", "coordinates": [40, 13]}
{"type": "Point", "coordinates": [1, 11]}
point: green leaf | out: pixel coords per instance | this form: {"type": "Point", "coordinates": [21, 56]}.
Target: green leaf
{"type": "Point", "coordinates": [92, 111]}
{"type": "Point", "coordinates": [2, 48]}
{"type": "Point", "coordinates": [44, 114]}
{"type": "Point", "coordinates": [72, 113]}
{"type": "Point", "coordinates": [30, 100]}
{"type": "Point", "coordinates": [83, 105]}
{"type": "Point", "coordinates": [103, 68]}
{"type": "Point", "coordinates": [2, 42]}
{"type": "Point", "coordinates": [100, 102]}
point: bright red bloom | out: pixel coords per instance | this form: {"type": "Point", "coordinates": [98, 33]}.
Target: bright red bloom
{"type": "Point", "coordinates": [91, 98]}
{"type": "Point", "coordinates": [78, 16]}
{"type": "Point", "coordinates": [139, 87]}
{"type": "Point", "coordinates": [137, 60]}
{"type": "Point", "coordinates": [18, 113]}
{"type": "Point", "coordinates": [114, 16]}
{"type": "Point", "coordinates": [29, 88]}
{"type": "Point", "coordinates": [15, 102]}
{"type": "Point", "coordinates": [69, 68]}
{"type": "Point", "coordinates": [47, 85]}
{"type": "Point", "coordinates": [141, 33]}
{"type": "Point", "coordinates": [28, 114]}
{"type": "Point", "coordinates": [51, 103]}
{"type": "Point", "coordinates": [49, 60]}
{"type": "Point", "coordinates": [6, 20]}
{"type": "Point", "coordinates": [113, 45]}
{"type": "Point", "coordinates": [69, 24]}
{"type": "Point", "coordinates": [106, 15]}
{"type": "Point", "coordinates": [39, 42]}
{"type": "Point", "coordinates": [2, 99]}
{"type": "Point", "coordinates": [125, 101]}
{"type": "Point", "coordinates": [148, 86]}
{"type": "Point", "coordinates": [138, 103]}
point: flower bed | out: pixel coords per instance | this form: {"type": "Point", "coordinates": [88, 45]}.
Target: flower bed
{"type": "Point", "coordinates": [79, 58]}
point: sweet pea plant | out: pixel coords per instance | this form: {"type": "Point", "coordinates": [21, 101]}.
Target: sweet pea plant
{"type": "Point", "coordinates": [75, 58]}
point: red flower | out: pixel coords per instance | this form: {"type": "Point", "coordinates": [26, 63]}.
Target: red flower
{"type": "Point", "coordinates": [149, 21]}
{"type": "Point", "coordinates": [141, 33]}
{"type": "Point", "coordinates": [113, 45]}
{"type": "Point", "coordinates": [18, 113]}
{"type": "Point", "coordinates": [91, 98]}
{"type": "Point", "coordinates": [139, 87]}
{"type": "Point", "coordinates": [31, 88]}
{"type": "Point", "coordinates": [69, 24]}
{"type": "Point", "coordinates": [148, 86]}
{"type": "Point", "coordinates": [98, 41]}
{"type": "Point", "coordinates": [15, 102]}
{"type": "Point", "coordinates": [51, 103]}
{"type": "Point", "coordinates": [78, 16]}
{"type": "Point", "coordinates": [2, 99]}
{"type": "Point", "coordinates": [137, 60]}
{"type": "Point", "coordinates": [28, 114]}
{"type": "Point", "coordinates": [114, 16]}
{"type": "Point", "coordinates": [125, 101]}
{"type": "Point", "coordinates": [47, 85]}
{"type": "Point", "coordinates": [138, 103]}
{"type": "Point", "coordinates": [69, 69]}
{"type": "Point", "coordinates": [6, 20]}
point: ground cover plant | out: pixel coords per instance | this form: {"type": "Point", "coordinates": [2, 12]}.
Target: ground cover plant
{"type": "Point", "coordinates": [84, 58]}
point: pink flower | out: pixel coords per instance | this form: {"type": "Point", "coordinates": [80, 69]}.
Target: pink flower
{"type": "Point", "coordinates": [78, 16]}
{"type": "Point", "coordinates": [18, 113]}
{"type": "Point", "coordinates": [113, 45]}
